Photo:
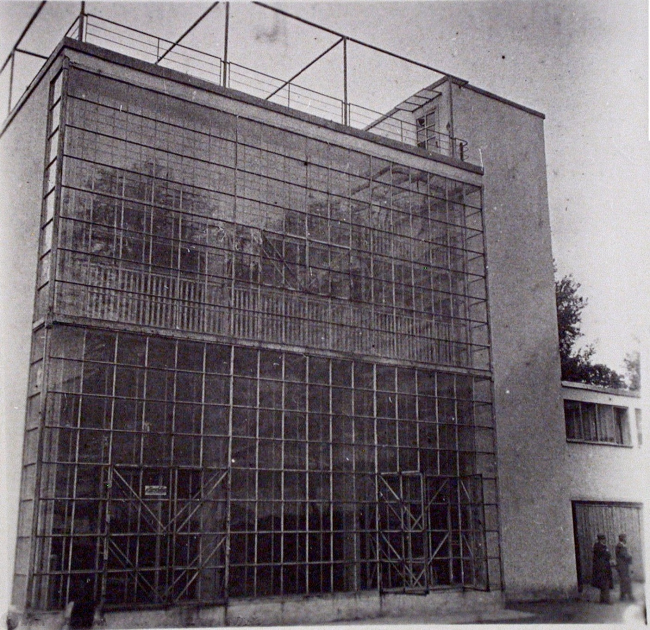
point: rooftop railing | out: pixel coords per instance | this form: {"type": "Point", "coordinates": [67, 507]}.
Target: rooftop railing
{"type": "Point", "coordinates": [398, 125]}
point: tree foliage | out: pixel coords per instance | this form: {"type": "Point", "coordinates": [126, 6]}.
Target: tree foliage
{"type": "Point", "coordinates": [576, 363]}
{"type": "Point", "coordinates": [633, 370]}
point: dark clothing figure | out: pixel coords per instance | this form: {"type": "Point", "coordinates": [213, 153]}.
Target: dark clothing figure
{"type": "Point", "coordinates": [623, 562]}
{"type": "Point", "coordinates": [601, 570]}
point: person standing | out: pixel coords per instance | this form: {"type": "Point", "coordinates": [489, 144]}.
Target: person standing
{"type": "Point", "coordinates": [601, 569]}
{"type": "Point", "coordinates": [623, 562]}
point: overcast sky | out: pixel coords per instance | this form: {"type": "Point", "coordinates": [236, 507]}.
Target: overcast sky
{"type": "Point", "coordinates": [582, 63]}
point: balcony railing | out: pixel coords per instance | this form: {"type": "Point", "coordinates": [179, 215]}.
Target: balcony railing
{"type": "Point", "coordinates": [397, 125]}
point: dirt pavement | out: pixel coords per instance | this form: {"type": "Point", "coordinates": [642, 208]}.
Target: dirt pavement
{"type": "Point", "coordinates": [585, 610]}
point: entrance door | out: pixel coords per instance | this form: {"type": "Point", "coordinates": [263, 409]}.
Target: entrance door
{"type": "Point", "coordinates": [431, 531]}
{"type": "Point", "coordinates": [165, 535]}
{"type": "Point", "coordinates": [403, 549]}
{"type": "Point", "coordinates": [611, 519]}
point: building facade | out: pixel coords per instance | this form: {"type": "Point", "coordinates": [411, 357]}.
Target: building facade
{"type": "Point", "coordinates": [607, 464]}
{"type": "Point", "coordinates": [260, 358]}
{"type": "Point", "coordinates": [268, 359]}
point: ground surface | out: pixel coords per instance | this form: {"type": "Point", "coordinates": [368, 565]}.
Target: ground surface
{"type": "Point", "coordinates": [585, 610]}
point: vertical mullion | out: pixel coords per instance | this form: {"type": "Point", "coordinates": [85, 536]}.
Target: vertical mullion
{"type": "Point", "coordinates": [234, 315]}
{"type": "Point", "coordinates": [393, 263]}
{"type": "Point", "coordinates": [71, 491]}
{"type": "Point", "coordinates": [111, 421]}
{"type": "Point", "coordinates": [282, 472]}
{"type": "Point", "coordinates": [203, 497]}
{"type": "Point", "coordinates": [305, 505]}
{"type": "Point", "coordinates": [356, 534]}
{"type": "Point", "coordinates": [418, 420]}
{"type": "Point", "coordinates": [456, 474]}
{"type": "Point", "coordinates": [226, 586]}
{"type": "Point", "coordinates": [437, 422]}
{"type": "Point", "coordinates": [459, 509]}
{"type": "Point", "coordinates": [177, 293]}
{"type": "Point", "coordinates": [173, 483]}
{"type": "Point", "coordinates": [257, 472]}
{"type": "Point", "coordinates": [415, 308]}
{"type": "Point", "coordinates": [331, 481]}
{"type": "Point", "coordinates": [141, 460]}
{"type": "Point", "coordinates": [466, 296]}
{"type": "Point", "coordinates": [450, 559]}
{"type": "Point", "coordinates": [376, 475]}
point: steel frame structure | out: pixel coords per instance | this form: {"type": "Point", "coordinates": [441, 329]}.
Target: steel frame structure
{"type": "Point", "coordinates": [182, 445]}
{"type": "Point", "coordinates": [92, 28]}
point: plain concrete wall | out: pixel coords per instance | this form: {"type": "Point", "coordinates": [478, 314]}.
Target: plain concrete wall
{"type": "Point", "coordinates": [537, 538]}
{"type": "Point", "coordinates": [22, 155]}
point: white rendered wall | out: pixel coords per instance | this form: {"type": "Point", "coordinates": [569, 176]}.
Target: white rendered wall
{"type": "Point", "coordinates": [536, 525]}
{"type": "Point", "coordinates": [22, 154]}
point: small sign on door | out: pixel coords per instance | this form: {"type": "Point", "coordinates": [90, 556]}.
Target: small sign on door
{"type": "Point", "coordinates": [155, 491]}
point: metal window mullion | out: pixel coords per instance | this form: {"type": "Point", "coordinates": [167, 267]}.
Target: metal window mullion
{"type": "Point", "coordinates": [307, 474]}
{"type": "Point", "coordinates": [143, 412]}
{"type": "Point", "coordinates": [460, 528]}
{"type": "Point", "coordinates": [395, 335]}
{"type": "Point", "coordinates": [415, 307]}
{"type": "Point", "coordinates": [208, 306]}
{"type": "Point", "coordinates": [99, 568]}
{"type": "Point", "coordinates": [373, 302]}
{"type": "Point", "coordinates": [233, 253]}
{"type": "Point", "coordinates": [462, 249]}
{"type": "Point", "coordinates": [257, 472]}
{"type": "Point", "coordinates": [450, 560]}
{"type": "Point", "coordinates": [109, 444]}
{"type": "Point", "coordinates": [437, 423]}
{"type": "Point", "coordinates": [356, 534]}
{"type": "Point", "coordinates": [170, 530]}
{"type": "Point", "coordinates": [138, 532]}
{"type": "Point", "coordinates": [141, 459]}
{"type": "Point", "coordinates": [331, 484]}
{"type": "Point", "coordinates": [177, 293]}
{"type": "Point", "coordinates": [282, 472]}
{"type": "Point", "coordinates": [36, 512]}
{"type": "Point", "coordinates": [226, 586]}
{"type": "Point", "coordinates": [457, 482]}
{"type": "Point", "coordinates": [418, 423]}
{"type": "Point", "coordinates": [138, 535]}
{"type": "Point", "coordinates": [74, 484]}
{"type": "Point", "coordinates": [173, 487]}
{"type": "Point", "coordinates": [202, 449]}
{"type": "Point", "coordinates": [377, 472]}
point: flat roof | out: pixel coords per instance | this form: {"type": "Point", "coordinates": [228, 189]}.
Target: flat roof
{"type": "Point", "coordinates": [601, 390]}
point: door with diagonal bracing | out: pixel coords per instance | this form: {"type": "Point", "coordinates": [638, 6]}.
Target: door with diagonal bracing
{"type": "Point", "coordinates": [403, 552]}
{"type": "Point", "coordinates": [165, 535]}
{"type": "Point", "coordinates": [430, 532]}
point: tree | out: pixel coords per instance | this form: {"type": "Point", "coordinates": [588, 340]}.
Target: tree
{"type": "Point", "coordinates": [633, 370]}
{"type": "Point", "coordinates": [576, 363]}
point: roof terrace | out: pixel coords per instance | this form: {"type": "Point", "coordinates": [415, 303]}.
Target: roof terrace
{"type": "Point", "coordinates": [339, 82]}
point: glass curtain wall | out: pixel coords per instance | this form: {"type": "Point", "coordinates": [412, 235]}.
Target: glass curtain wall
{"type": "Point", "coordinates": [179, 462]}
{"type": "Point", "coordinates": [202, 221]}
{"type": "Point", "coordinates": [156, 451]}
